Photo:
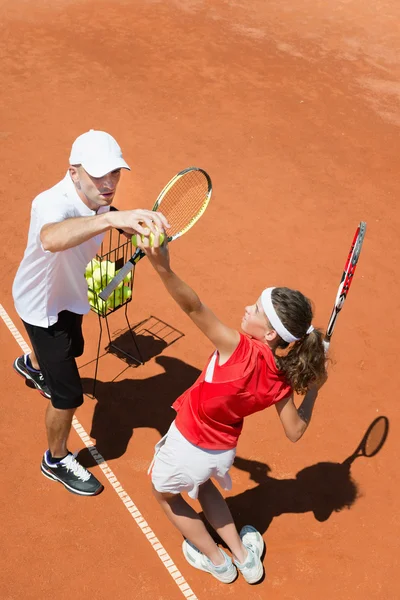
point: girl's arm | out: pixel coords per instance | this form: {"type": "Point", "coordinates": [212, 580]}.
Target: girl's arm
{"type": "Point", "coordinates": [223, 337]}
{"type": "Point", "coordinates": [296, 420]}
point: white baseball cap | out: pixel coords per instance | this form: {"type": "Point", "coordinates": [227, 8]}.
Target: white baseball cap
{"type": "Point", "coordinates": [98, 153]}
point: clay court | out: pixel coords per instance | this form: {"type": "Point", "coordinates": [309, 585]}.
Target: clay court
{"type": "Point", "coordinates": [293, 109]}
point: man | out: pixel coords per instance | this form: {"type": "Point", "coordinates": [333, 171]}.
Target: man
{"type": "Point", "coordinates": [68, 223]}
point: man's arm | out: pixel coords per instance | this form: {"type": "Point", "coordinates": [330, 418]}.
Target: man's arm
{"type": "Point", "coordinates": [56, 237]}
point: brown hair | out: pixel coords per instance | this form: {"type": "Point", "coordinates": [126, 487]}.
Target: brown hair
{"type": "Point", "coordinates": [304, 361]}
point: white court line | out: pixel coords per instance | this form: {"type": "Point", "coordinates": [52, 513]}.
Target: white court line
{"type": "Point", "coordinates": [113, 481]}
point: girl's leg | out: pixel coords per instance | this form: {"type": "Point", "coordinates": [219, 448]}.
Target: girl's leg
{"type": "Point", "coordinates": [185, 518]}
{"type": "Point", "coordinates": [220, 518]}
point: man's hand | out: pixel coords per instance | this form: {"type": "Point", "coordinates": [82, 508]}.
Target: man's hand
{"type": "Point", "coordinates": [61, 235]}
{"type": "Point", "coordinates": [138, 221]}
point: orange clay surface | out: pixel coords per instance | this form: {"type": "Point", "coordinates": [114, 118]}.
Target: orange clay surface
{"type": "Point", "coordinates": [293, 109]}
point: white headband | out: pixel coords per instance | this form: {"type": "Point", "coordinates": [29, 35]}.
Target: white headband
{"type": "Point", "coordinates": [272, 316]}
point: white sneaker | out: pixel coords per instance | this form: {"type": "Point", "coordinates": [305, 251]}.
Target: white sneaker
{"type": "Point", "coordinates": [226, 572]}
{"type": "Point", "coordinates": [252, 569]}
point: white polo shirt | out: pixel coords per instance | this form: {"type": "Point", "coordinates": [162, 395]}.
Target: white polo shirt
{"type": "Point", "coordinates": [48, 282]}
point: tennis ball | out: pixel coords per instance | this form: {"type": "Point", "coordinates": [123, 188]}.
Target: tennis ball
{"type": "Point", "coordinates": [116, 298]}
{"type": "Point", "coordinates": [90, 297]}
{"type": "Point", "coordinates": [107, 271]}
{"type": "Point", "coordinates": [151, 239]}
{"type": "Point", "coordinates": [126, 293]}
{"type": "Point", "coordinates": [91, 284]}
{"type": "Point", "coordinates": [91, 267]}
{"type": "Point", "coordinates": [108, 268]}
{"type": "Point", "coordinates": [128, 278]}
{"type": "Point", "coordinates": [101, 306]}
{"type": "Point", "coordinates": [97, 279]}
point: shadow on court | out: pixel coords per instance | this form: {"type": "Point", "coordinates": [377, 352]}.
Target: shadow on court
{"type": "Point", "coordinates": [134, 345]}
{"type": "Point", "coordinates": [123, 406]}
{"type": "Point", "coordinates": [322, 489]}
{"type": "Point", "coordinates": [145, 340]}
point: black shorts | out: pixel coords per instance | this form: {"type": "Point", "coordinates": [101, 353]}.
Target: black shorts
{"type": "Point", "coordinates": [56, 348]}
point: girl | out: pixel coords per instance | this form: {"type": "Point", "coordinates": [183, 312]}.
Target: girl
{"type": "Point", "coordinates": [279, 352]}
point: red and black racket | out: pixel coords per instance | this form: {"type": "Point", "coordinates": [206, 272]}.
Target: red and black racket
{"type": "Point", "coordinates": [345, 282]}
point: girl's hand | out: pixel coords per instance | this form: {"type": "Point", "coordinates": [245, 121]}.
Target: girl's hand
{"type": "Point", "coordinates": [158, 254]}
{"type": "Point", "coordinates": [317, 385]}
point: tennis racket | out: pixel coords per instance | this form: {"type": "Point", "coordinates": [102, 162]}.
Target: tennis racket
{"type": "Point", "coordinates": [183, 200]}
{"type": "Point", "coordinates": [345, 282]}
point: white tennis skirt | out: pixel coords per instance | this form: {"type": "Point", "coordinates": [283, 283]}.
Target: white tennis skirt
{"type": "Point", "coordinates": [179, 466]}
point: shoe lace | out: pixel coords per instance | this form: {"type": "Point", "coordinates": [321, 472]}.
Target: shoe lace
{"type": "Point", "coordinates": [71, 464]}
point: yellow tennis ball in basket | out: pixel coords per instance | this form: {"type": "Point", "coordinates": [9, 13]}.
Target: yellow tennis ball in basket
{"type": "Point", "coordinates": [97, 279]}
{"type": "Point", "coordinates": [107, 272]}
{"type": "Point", "coordinates": [115, 299]}
{"type": "Point", "coordinates": [101, 306]}
{"type": "Point", "coordinates": [91, 284]}
{"type": "Point", "coordinates": [151, 239]}
{"type": "Point", "coordinates": [90, 267]}
{"type": "Point", "coordinates": [126, 293]}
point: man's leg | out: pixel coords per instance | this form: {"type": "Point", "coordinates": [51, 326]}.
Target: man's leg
{"type": "Point", "coordinates": [58, 426]}
{"type": "Point", "coordinates": [34, 361]}
{"type": "Point", "coordinates": [55, 348]}
{"type": "Point", "coordinates": [58, 463]}
{"type": "Point", "coordinates": [28, 367]}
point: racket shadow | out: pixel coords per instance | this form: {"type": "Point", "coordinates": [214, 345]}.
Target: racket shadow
{"type": "Point", "coordinates": [322, 488]}
{"type": "Point", "coordinates": [125, 405]}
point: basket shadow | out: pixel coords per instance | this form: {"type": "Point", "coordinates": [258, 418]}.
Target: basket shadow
{"type": "Point", "coordinates": [141, 346]}
{"type": "Point", "coordinates": [145, 340]}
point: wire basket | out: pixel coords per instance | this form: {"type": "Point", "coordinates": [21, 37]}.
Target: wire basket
{"type": "Point", "coordinates": [115, 251]}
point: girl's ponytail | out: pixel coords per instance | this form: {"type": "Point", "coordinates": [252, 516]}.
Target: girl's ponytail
{"type": "Point", "coordinates": [301, 361]}
{"type": "Point", "coordinates": [305, 362]}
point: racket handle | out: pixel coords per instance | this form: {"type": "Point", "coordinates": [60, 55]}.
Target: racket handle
{"type": "Point", "coordinates": [326, 344]}
{"type": "Point", "coordinates": [114, 283]}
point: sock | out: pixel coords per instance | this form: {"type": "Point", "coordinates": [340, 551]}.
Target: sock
{"type": "Point", "coordinates": [222, 566]}
{"type": "Point", "coordinates": [245, 560]}
{"type": "Point", "coordinates": [53, 460]}
{"type": "Point", "coordinates": [29, 365]}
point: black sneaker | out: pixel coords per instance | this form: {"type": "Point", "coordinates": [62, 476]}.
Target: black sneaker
{"type": "Point", "coordinates": [21, 367]}
{"type": "Point", "coordinates": [72, 475]}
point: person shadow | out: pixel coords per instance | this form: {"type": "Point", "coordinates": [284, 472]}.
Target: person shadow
{"type": "Point", "coordinates": [322, 488]}
{"type": "Point", "coordinates": [125, 405]}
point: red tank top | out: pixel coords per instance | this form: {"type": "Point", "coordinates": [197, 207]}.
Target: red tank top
{"type": "Point", "coordinates": [210, 413]}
